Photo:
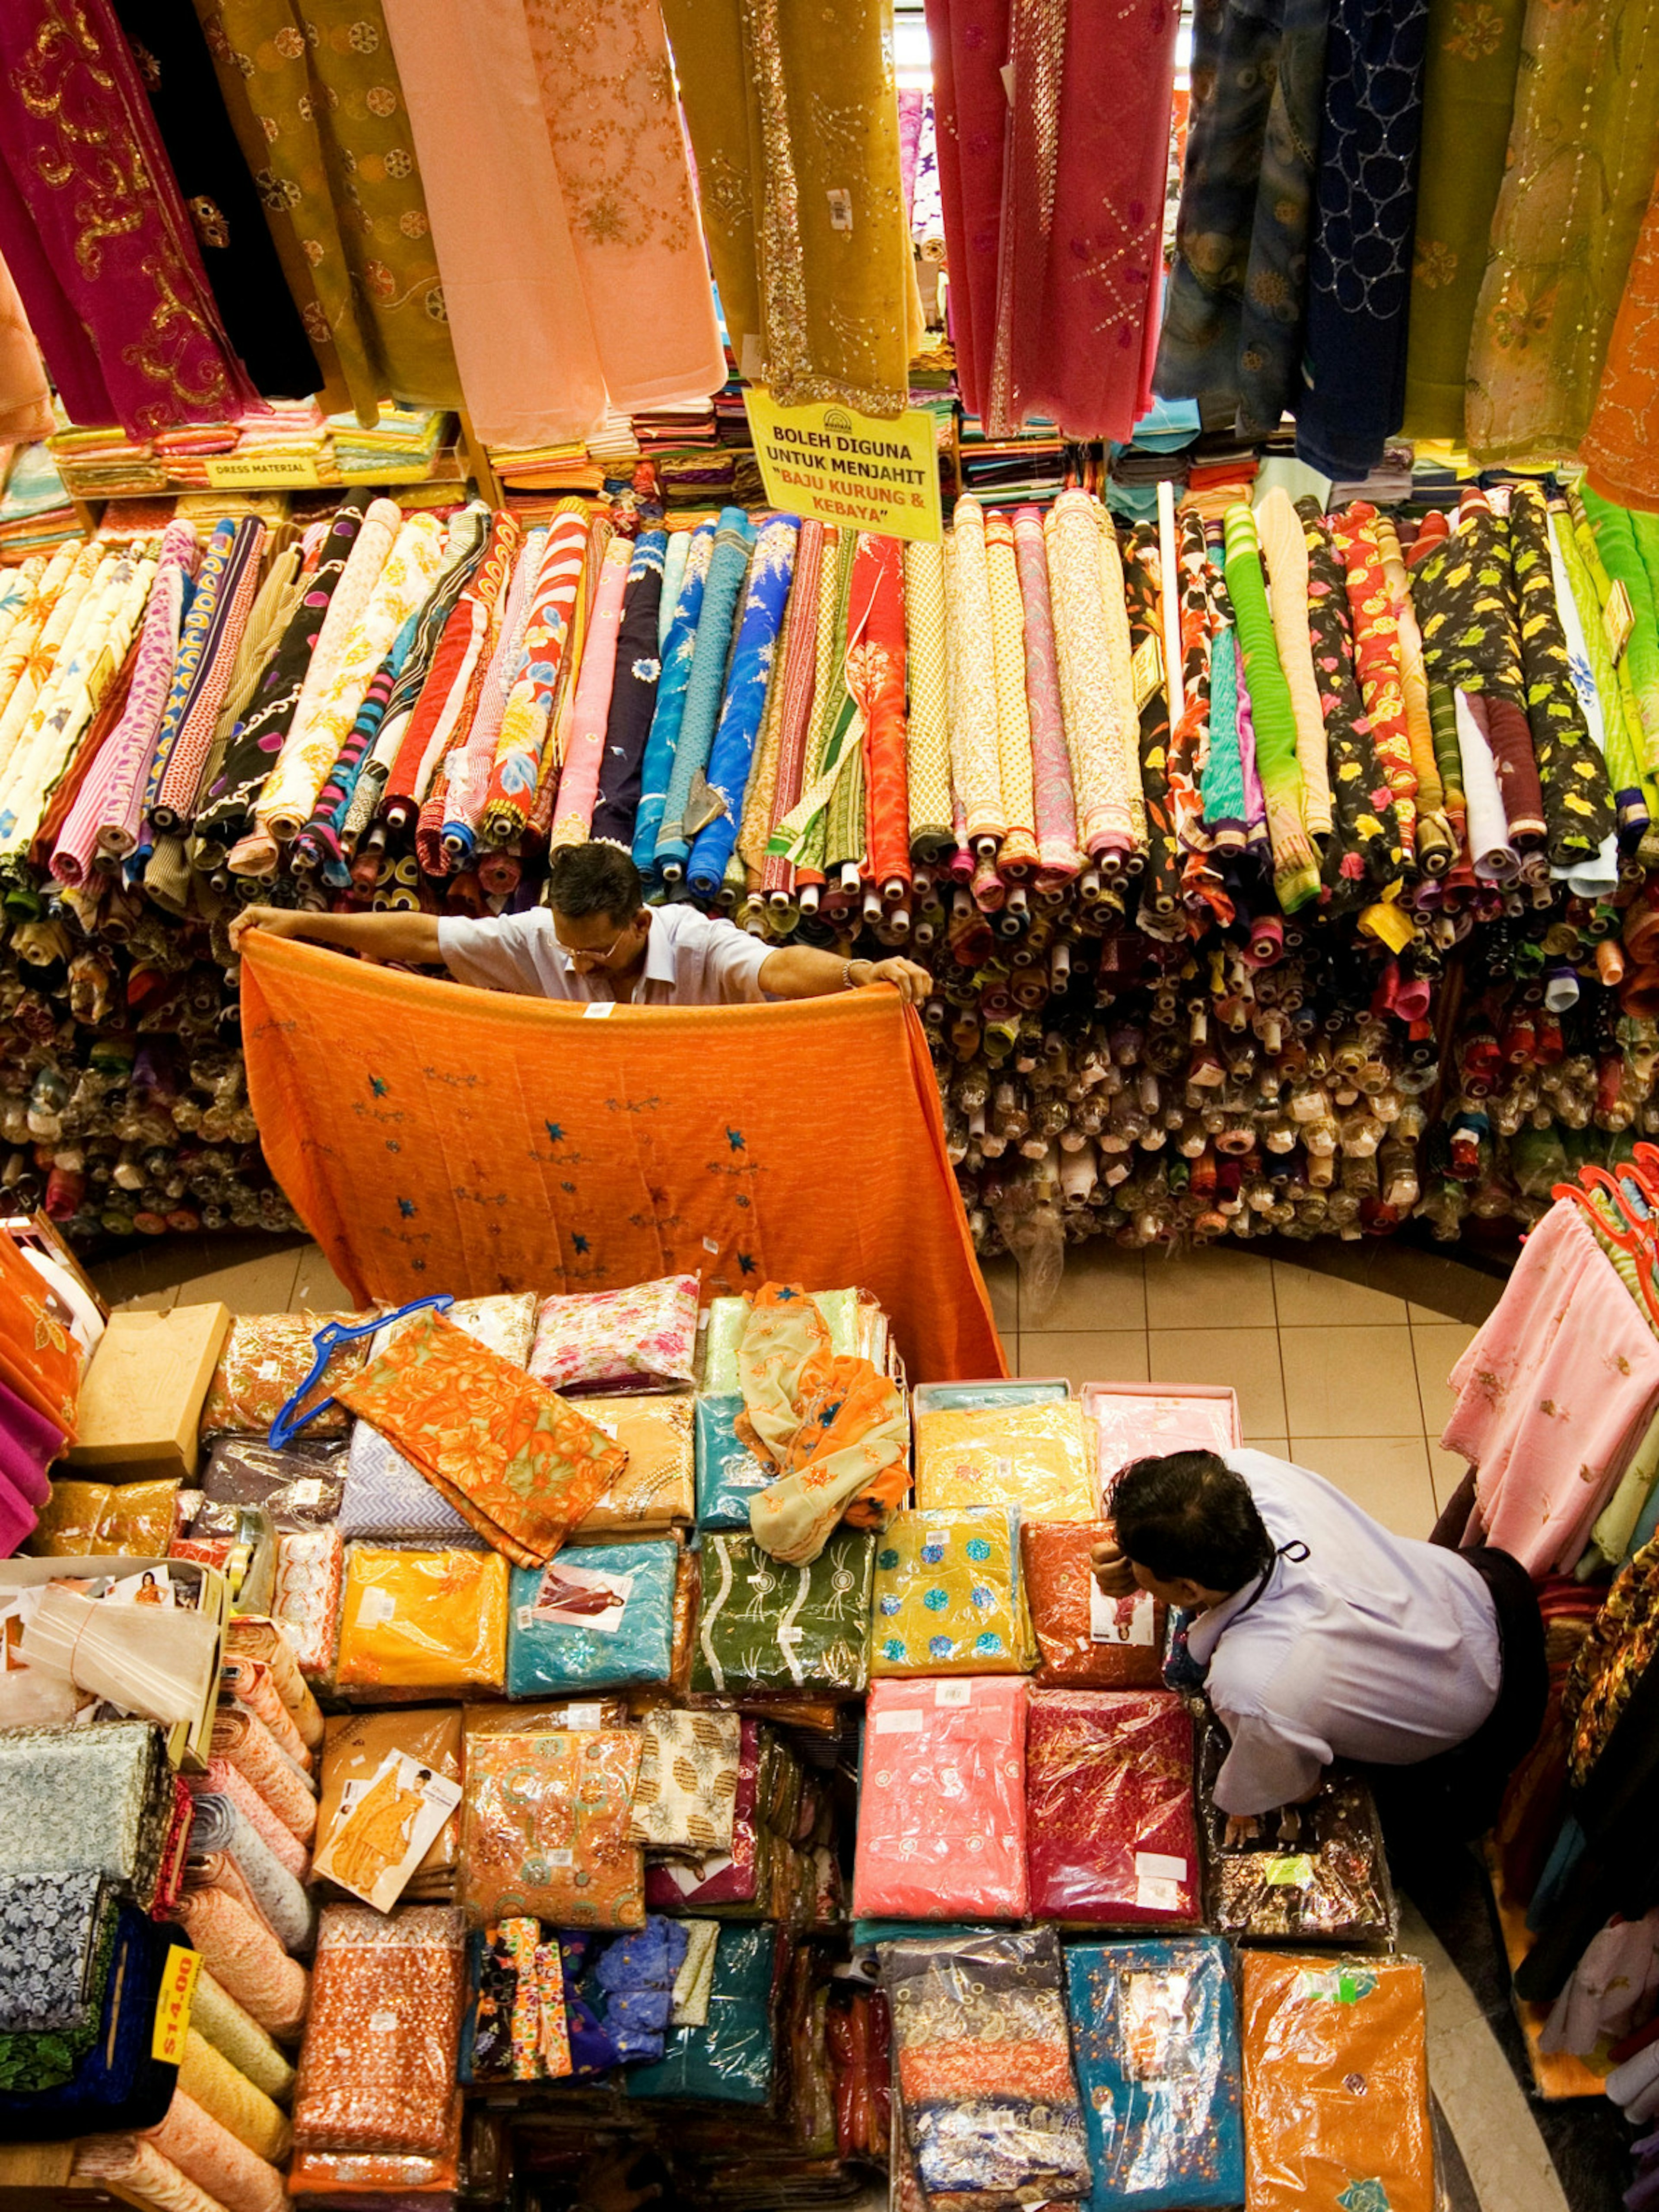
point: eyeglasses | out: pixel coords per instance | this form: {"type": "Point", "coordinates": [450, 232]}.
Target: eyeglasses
{"type": "Point", "coordinates": [590, 955]}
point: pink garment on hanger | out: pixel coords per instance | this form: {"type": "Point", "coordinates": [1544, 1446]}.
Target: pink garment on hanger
{"type": "Point", "coordinates": [970, 42]}
{"type": "Point", "coordinates": [1553, 1395]}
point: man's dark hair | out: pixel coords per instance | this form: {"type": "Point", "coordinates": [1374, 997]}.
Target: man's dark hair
{"type": "Point", "coordinates": [1190, 1517]}
{"type": "Point", "coordinates": [595, 879]}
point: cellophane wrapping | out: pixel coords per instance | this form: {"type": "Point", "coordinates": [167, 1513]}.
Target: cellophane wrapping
{"type": "Point", "coordinates": [1317, 1873]}
{"type": "Point", "coordinates": [1038, 1458]}
{"type": "Point", "coordinates": [941, 1831]}
{"type": "Point", "coordinates": [1113, 1834]}
{"type": "Point", "coordinates": [378, 2069]}
{"type": "Point", "coordinates": [1054, 1560]}
{"type": "Point", "coordinates": [544, 1828]}
{"type": "Point", "coordinates": [948, 1595]}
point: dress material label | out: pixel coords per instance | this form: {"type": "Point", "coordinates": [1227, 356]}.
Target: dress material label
{"type": "Point", "coordinates": [1120, 1620]}
{"type": "Point", "coordinates": [828, 464]}
{"type": "Point", "coordinates": [577, 1597]}
{"type": "Point", "coordinates": [386, 1826]}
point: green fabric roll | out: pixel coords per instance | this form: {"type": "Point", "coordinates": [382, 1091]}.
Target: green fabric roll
{"type": "Point", "coordinates": [1624, 768]}
{"type": "Point", "coordinates": [1295, 864]}
{"type": "Point", "coordinates": [1469, 99]}
{"type": "Point", "coordinates": [1616, 541]}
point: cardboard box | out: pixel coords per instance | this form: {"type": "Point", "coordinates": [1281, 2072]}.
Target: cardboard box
{"type": "Point", "coordinates": [142, 1400]}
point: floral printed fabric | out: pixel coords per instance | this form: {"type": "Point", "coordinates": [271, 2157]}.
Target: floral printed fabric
{"type": "Point", "coordinates": [1109, 1809]}
{"type": "Point", "coordinates": [948, 1599]}
{"type": "Point", "coordinates": [941, 1832]}
{"type": "Point", "coordinates": [506, 1325]}
{"type": "Point", "coordinates": [1336, 2087]}
{"type": "Point", "coordinates": [1155, 2034]}
{"type": "Point", "coordinates": [645, 1337]}
{"type": "Point", "coordinates": [265, 1360]}
{"type": "Point", "coordinates": [762, 1625]}
{"type": "Point", "coordinates": [685, 1798]}
{"type": "Point", "coordinates": [545, 1828]}
{"type": "Point", "coordinates": [52, 1932]}
{"type": "Point", "coordinates": [423, 1621]}
{"type": "Point", "coordinates": [515, 1461]}
{"type": "Point", "coordinates": [984, 2061]}
{"type": "Point", "coordinates": [85, 1800]}
{"type": "Point", "coordinates": [383, 2040]}
{"type": "Point", "coordinates": [1039, 1459]}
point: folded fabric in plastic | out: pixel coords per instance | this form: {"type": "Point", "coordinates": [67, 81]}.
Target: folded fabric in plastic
{"type": "Point", "coordinates": [85, 1800]}
{"type": "Point", "coordinates": [948, 1599]}
{"type": "Point", "coordinates": [729, 2059]}
{"type": "Point", "coordinates": [518, 1462]}
{"type": "Point", "coordinates": [300, 1487]}
{"type": "Point", "coordinates": [552, 1649]}
{"type": "Point", "coordinates": [728, 1473]}
{"type": "Point", "coordinates": [1113, 1836]}
{"type": "Point", "coordinates": [386, 1498]}
{"type": "Point", "coordinates": [1058, 1583]}
{"type": "Point", "coordinates": [505, 1324]}
{"type": "Point", "coordinates": [983, 2057]}
{"type": "Point", "coordinates": [725, 1879]}
{"type": "Point", "coordinates": [377, 2070]}
{"type": "Point", "coordinates": [941, 1828]}
{"type": "Point", "coordinates": [763, 1626]}
{"type": "Point", "coordinates": [266, 1357]}
{"type": "Point", "coordinates": [356, 1748]}
{"type": "Point", "coordinates": [305, 1603]}
{"type": "Point", "coordinates": [728, 1319]}
{"type": "Point", "coordinates": [988, 1396]}
{"type": "Point", "coordinates": [1316, 1873]}
{"type": "Point", "coordinates": [423, 1621]}
{"type": "Point", "coordinates": [1039, 1458]}
{"type": "Point", "coordinates": [117, 2082]}
{"type": "Point", "coordinates": [656, 1490]}
{"type": "Point", "coordinates": [544, 1828]}
{"type": "Point", "coordinates": [1336, 2084]}
{"type": "Point", "coordinates": [1155, 2036]}
{"type": "Point", "coordinates": [686, 1793]}
{"type": "Point", "coordinates": [644, 1337]}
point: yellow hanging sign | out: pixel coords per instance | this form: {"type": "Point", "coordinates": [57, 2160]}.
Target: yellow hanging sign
{"type": "Point", "coordinates": [827, 464]}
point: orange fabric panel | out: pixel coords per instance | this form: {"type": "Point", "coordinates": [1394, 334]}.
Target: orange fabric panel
{"type": "Point", "coordinates": [436, 1138]}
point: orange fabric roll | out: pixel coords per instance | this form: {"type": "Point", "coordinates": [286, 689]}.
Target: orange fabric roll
{"type": "Point", "coordinates": [211, 2156]}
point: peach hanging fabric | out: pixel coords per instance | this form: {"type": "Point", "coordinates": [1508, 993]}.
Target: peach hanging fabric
{"type": "Point", "coordinates": [438, 1138]}
{"type": "Point", "coordinates": [25, 395]}
{"type": "Point", "coordinates": [564, 116]}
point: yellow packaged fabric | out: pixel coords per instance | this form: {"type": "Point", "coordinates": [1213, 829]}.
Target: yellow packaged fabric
{"type": "Point", "coordinates": [73, 1521]}
{"type": "Point", "coordinates": [1038, 1458]}
{"type": "Point", "coordinates": [423, 1621]}
{"type": "Point", "coordinates": [143, 1519]}
{"type": "Point", "coordinates": [656, 1492]}
{"type": "Point", "coordinates": [948, 1597]}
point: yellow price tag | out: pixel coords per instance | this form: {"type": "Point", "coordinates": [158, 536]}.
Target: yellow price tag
{"type": "Point", "coordinates": [828, 464]}
{"type": "Point", "coordinates": [172, 2007]}
{"type": "Point", "coordinates": [1618, 620]}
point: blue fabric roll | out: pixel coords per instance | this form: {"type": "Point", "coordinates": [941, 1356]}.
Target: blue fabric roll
{"type": "Point", "coordinates": [679, 647]}
{"type": "Point", "coordinates": [733, 754]}
{"type": "Point", "coordinates": [722, 595]}
{"type": "Point", "coordinates": [1155, 2036]}
{"type": "Point", "coordinates": [548, 1658]}
{"type": "Point", "coordinates": [728, 1473]}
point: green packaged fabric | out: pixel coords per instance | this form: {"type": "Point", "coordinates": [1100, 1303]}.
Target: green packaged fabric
{"type": "Point", "coordinates": [729, 1317]}
{"type": "Point", "coordinates": [986, 1397]}
{"type": "Point", "coordinates": [597, 1616]}
{"type": "Point", "coordinates": [762, 1625]}
{"type": "Point", "coordinates": [728, 1473]}
{"type": "Point", "coordinates": [729, 2060]}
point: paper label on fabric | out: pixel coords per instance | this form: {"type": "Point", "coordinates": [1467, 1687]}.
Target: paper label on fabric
{"type": "Point", "coordinates": [711, 1244]}
{"type": "Point", "coordinates": [1006, 73]}
{"type": "Point", "coordinates": [909, 1723]}
{"type": "Point", "coordinates": [1147, 668]}
{"type": "Point", "coordinates": [383, 2022]}
{"type": "Point", "coordinates": [564, 1857]}
{"type": "Point", "coordinates": [597, 1009]}
{"type": "Point", "coordinates": [376, 1608]}
{"type": "Point", "coordinates": [1292, 1871]}
{"type": "Point", "coordinates": [953, 1693]}
{"type": "Point", "coordinates": [577, 1597]}
{"type": "Point", "coordinates": [828, 464]}
{"type": "Point", "coordinates": [1157, 1896]}
{"type": "Point", "coordinates": [584, 1717]}
{"type": "Point", "coordinates": [1618, 620]}
{"type": "Point", "coordinates": [167, 2043]}
{"type": "Point", "coordinates": [1120, 1620]}
{"type": "Point", "coordinates": [307, 1494]}
{"type": "Point", "coordinates": [840, 211]}
{"type": "Point", "coordinates": [1160, 1866]}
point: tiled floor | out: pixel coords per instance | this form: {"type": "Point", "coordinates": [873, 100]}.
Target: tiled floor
{"type": "Point", "coordinates": [1342, 1376]}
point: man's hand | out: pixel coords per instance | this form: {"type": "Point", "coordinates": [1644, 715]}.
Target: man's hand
{"type": "Point", "coordinates": [913, 983]}
{"type": "Point", "coordinates": [1112, 1571]}
{"type": "Point", "coordinates": [281, 921]}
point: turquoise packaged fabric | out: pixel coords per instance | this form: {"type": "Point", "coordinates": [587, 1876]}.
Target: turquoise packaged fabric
{"type": "Point", "coordinates": [551, 1657]}
{"type": "Point", "coordinates": [728, 2061]}
{"type": "Point", "coordinates": [986, 1397]}
{"type": "Point", "coordinates": [1155, 2038]}
{"type": "Point", "coordinates": [728, 1473]}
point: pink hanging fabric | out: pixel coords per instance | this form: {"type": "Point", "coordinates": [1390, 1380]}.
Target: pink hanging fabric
{"type": "Point", "coordinates": [579, 782]}
{"type": "Point", "coordinates": [970, 42]}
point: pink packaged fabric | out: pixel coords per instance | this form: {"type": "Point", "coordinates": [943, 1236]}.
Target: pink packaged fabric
{"type": "Point", "coordinates": [728, 1877]}
{"type": "Point", "coordinates": [642, 1339]}
{"type": "Point", "coordinates": [1109, 1809]}
{"type": "Point", "coordinates": [941, 1829]}
{"type": "Point", "coordinates": [1133, 1425]}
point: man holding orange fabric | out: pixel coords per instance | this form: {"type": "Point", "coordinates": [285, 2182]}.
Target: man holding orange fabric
{"type": "Point", "coordinates": [595, 940]}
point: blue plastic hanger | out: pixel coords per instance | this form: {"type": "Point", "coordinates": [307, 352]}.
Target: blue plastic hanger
{"type": "Point", "coordinates": [328, 1339]}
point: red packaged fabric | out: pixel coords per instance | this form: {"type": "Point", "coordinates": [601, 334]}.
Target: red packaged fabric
{"type": "Point", "coordinates": [1109, 1809]}
{"type": "Point", "coordinates": [942, 1800]}
{"type": "Point", "coordinates": [1059, 1594]}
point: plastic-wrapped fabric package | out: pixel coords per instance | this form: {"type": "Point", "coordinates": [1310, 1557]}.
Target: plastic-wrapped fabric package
{"type": "Point", "coordinates": [544, 1828]}
{"type": "Point", "coordinates": [685, 1798]}
{"type": "Point", "coordinates": [763, 1626]}
{"type": "Point", "coordinates": [642, 1337]}
{"type": "Point", "coordinates": [266, 1357]}
{"type": "Point", "coordinates": [354, 1751]}
{"type": "Point", "coordinates": [1336, 2084]}
{"type": "Point", "coordinates": [86, 1800]}
{"type": "Point", "coordinates": [377, 2069]}
{"type": "Point", "coordinates": [520, 1462]}
{"type": "Point", "coordinates": [114, 2082]}
{"type": "Point", "coordinates": [948, 1598]}
{"type": "Point", "coordinates": [1064, 1610]}
{"type": "Point", "coordinates": [1147, 1423]}
{"type": "Point", "coordinates": [983, 2057]}
{"type": "Point", "coordinates": [306, 1602]}
{"type": "Point", "coordinates": [656, 1491]}
{"type": "Point", "coordinates": [728, 1318]}
{"type": "Point", "coordinates": [728, 1473]}
{"type": "Point", "coordinates": [631, 1640]}
{"type": "Point", "coordinates": [299, 1488]}
{"type": "Point", "coordinates": [1112, 1828]}
{"type": "Point", "coordinates": [1316, 1873]}
{"type": "Point", "coordinates": [727, 1880]}
{"type": "Point", "coordinates": [988, 1396]}
{"type": "Point", "coordinates": [1038, 1458]}
{"type": "Point", "coordinates": [137, 1519]}
{"type": "Point", "coordinates": [728, 2060]}
{"type": "Point", "coordinates": [1155, 2035]}
{"type": "Point", "coordinates": [941, 1828]}
{"type": "Point", "coordinates": [423, 1621]}
{"type": "Point", "coordinates": [505, 1324]}
{"type": "Point", "coordinates": [386, 1498]}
